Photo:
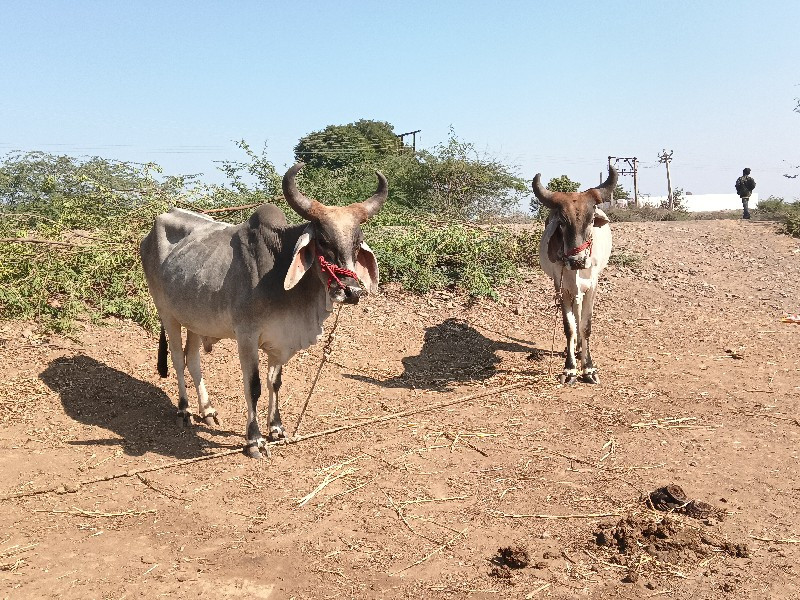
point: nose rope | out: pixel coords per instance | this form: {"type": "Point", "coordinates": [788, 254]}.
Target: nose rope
{"type": "Point", "coordinates": [333, 270]}
{"type": "Point", "coordinates": [581, 248]}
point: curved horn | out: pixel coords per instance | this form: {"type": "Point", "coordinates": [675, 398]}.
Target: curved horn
{"type": "Point", "coordinates": [544, 195]}
{"type": "Point", "coordinates": [374, 203]}
{"type": "Point", "coordinates": [607, 187]}
{"type": "Point", "coordinates": [303, 206]}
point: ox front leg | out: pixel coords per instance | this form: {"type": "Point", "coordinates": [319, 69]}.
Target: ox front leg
{"type": "Point", "coordinates": [276, 431]}
{"type": "Point", "coordinates": [248, 358]}
{"type": "Point", "coordinates": [207, 412]}
{"type": "Point", "coordinates": [568, 305]}
{"type": "Point", "coordinates": [589, 374]}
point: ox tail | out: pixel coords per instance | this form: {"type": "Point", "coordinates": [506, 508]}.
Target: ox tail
{"type": "Point", "coordinates": [162, 354]}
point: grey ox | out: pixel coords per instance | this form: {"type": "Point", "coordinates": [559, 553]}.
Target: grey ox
{"type": "Point", "coordinates": [575, 247]}
{"type": "Point", "coordinates": [264, 283]}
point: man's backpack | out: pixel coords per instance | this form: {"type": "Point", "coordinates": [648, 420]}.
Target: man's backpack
{"type": "Point", "coordinates": [741, 185]}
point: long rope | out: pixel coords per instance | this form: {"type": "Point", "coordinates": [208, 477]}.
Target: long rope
{"type": "Point", "coordinates": [293, 440]}
{"type": "Point", "coordinates": [555, 322]}
{"type": "Point", "coordinates": [326, 352]}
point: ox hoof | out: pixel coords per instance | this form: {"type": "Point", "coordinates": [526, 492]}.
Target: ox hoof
{"type": "Point", "coordinates": [568, 378]}
{"type": "Point", "coordinates": [591, 377]}
{"type": "Point", "coordinates": [254, 452]}
{"type": "Point", "coordinates": [277, 434]}
{"type": "Point", "coordinates": [184, 418]}
{"type": "Point", "coordinates": [257, 448]}
{"type": "Point", "coordinates": [211, 419]}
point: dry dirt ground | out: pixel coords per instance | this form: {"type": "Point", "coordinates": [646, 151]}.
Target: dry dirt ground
{"type": "Point", "coordinates": [699, 389]}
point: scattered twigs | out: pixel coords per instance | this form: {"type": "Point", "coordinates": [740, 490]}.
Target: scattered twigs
{"type": "Point", "coordinates": [150, 484]}
{"type": "Point", "coordinates": [541, 588]}
{"type": "Point", "coordinates": [352, 489]}
{"type": "Point", "coordinates": [96, 513]}
{"type": "Point", "coordinates": [329, 478]}
{"type": "Point", "coordinates": [444, 546]}
{"type": "Point", "coordinates": [326, 352]}
{"type": "Point", "coordinates": [16, 549]}
{"type": "Point", "coordinates": [792, 420]}
{"type": "Point", "coordinates": [37, 241]}
{"type": "Point", "coordinates": [672, 423]}
{"type": "Point", "coordinates": [776, 541]}
{"type": "Point", "coordinates": [459, 437]}
{"type": "Point", "coordinates": [570, 516]}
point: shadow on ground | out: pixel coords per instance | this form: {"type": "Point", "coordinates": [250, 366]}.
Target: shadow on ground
{"type": "Point", "coordinates": [452, 352]}
{"type": "Point", "coordinates": [138, 412]}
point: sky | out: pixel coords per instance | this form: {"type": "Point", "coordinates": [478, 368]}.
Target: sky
{"type": "Point", "coordinates": [551, 87]}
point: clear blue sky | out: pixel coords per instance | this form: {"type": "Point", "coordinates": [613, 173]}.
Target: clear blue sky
{"type": "Point", "coordinates": [547, 86]}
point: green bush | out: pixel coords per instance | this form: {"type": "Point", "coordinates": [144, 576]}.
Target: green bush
{"type": "Point", "coordinates": [70, 232]}
{"type": "Point", "coordinates": [427, 256]}
{"type": "Point", "coordinates": [771, 206]}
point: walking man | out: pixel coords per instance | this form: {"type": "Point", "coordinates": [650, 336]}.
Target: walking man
{"type": "Point", "coordinates": [744, 187]}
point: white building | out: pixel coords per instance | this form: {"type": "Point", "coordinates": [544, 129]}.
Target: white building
{"type": "Point", "coordinates": [703, 202]}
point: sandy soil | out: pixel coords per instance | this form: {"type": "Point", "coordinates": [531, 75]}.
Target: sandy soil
{"type": "Point", "coordinates": [699, 389]}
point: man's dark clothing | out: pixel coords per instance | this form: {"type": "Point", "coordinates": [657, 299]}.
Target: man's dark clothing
{"type": "Point", "coordinates": [744, 187]}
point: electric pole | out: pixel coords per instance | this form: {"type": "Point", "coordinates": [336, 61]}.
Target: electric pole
{"type": "Point", "coordinates": [632, 169]}
{"type": "Point", "coordinates": [666, 158]}
{"type": "Point", "coordinates": [413, 135]}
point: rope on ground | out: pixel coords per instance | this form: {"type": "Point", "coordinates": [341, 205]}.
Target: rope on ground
{"type": "Point", "coordinates": [73, 487]}
{"type": "Point", "coordinates": [326, 352]}
{"type": "Point", "coordinates": [555, 322]}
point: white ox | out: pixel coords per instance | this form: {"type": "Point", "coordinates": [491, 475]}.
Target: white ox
{"type": "Point", "coordinates": [575, 247]}
{"type": "Point", "coordinates": [264, 283]}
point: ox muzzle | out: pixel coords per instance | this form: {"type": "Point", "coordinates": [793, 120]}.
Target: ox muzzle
{"type": "Point", "coordinates": [345, 292]}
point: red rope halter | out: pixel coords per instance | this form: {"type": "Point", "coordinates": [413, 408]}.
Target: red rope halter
{"type": "Point", "coordinates": [581, 248]}
{"type": "Point", "coordinates": [333, 270]}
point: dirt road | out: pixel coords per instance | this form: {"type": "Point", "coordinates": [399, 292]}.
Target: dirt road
{"type": "Point", "coordinates": [700, 388]}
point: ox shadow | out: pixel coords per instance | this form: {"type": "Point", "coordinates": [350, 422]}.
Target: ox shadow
{"type": "Point", "coordinates": [141, 414]}
{"type": "Point", "coordinates": [452, 352]}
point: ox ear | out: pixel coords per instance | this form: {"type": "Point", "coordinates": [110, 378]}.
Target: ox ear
{"type": "Point", "coordinates": [367, 268]}
{"type": "Point", "coordinates": [302, 259]}
{"type": "Point", "coordinates": [600, 218]}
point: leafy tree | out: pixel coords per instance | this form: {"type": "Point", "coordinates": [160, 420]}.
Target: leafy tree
{"type": "Point", "coordinates": [620, 193]}
{"type": "Point", "coordinates": [466, 184]}
{"type": "Point", "coordinates": [563, 184]}
{"type": "Point", "coordinates": [338, 146]}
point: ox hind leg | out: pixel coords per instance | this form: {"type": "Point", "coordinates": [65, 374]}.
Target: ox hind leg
{"type": "Point", "coordinates": [589, 374]}
{"type": "Point", "coordinates": [274, 380]}
{"type": "Point", "coordinates": [173, 331]}
{"type": "Point", "coordinates": [568, 311]}
{"type": "Point", "coordinates": [192, 353]}
{"type": "Point", "coordinates": [248, 358]}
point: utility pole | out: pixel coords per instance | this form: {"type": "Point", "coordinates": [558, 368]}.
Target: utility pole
{"type": "Point", "coordinates": [666, 158]}
{"type": "Point", "coordinates": [413, 135]}
{"type": "Point", "coordinates": [632, 169]}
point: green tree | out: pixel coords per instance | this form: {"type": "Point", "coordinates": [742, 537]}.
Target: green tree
{"type": "Point", "coordinates": [466, 184]}
{"type": "Point", "coordinates": [620, 193]}
{"type": "Point", "coordinates": [563, 184]}
{"type": "Point", "coordinates": [338, 146]}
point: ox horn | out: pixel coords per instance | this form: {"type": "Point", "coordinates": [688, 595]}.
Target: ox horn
{"type": "Point", "coordinates": [606, 189]}
{"type": "Point", "coordinates": [302, 205]}
{"type": "Point", "coordinates": [544, 195]}
{"type": "Point", "coordinates": [373, 204]}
